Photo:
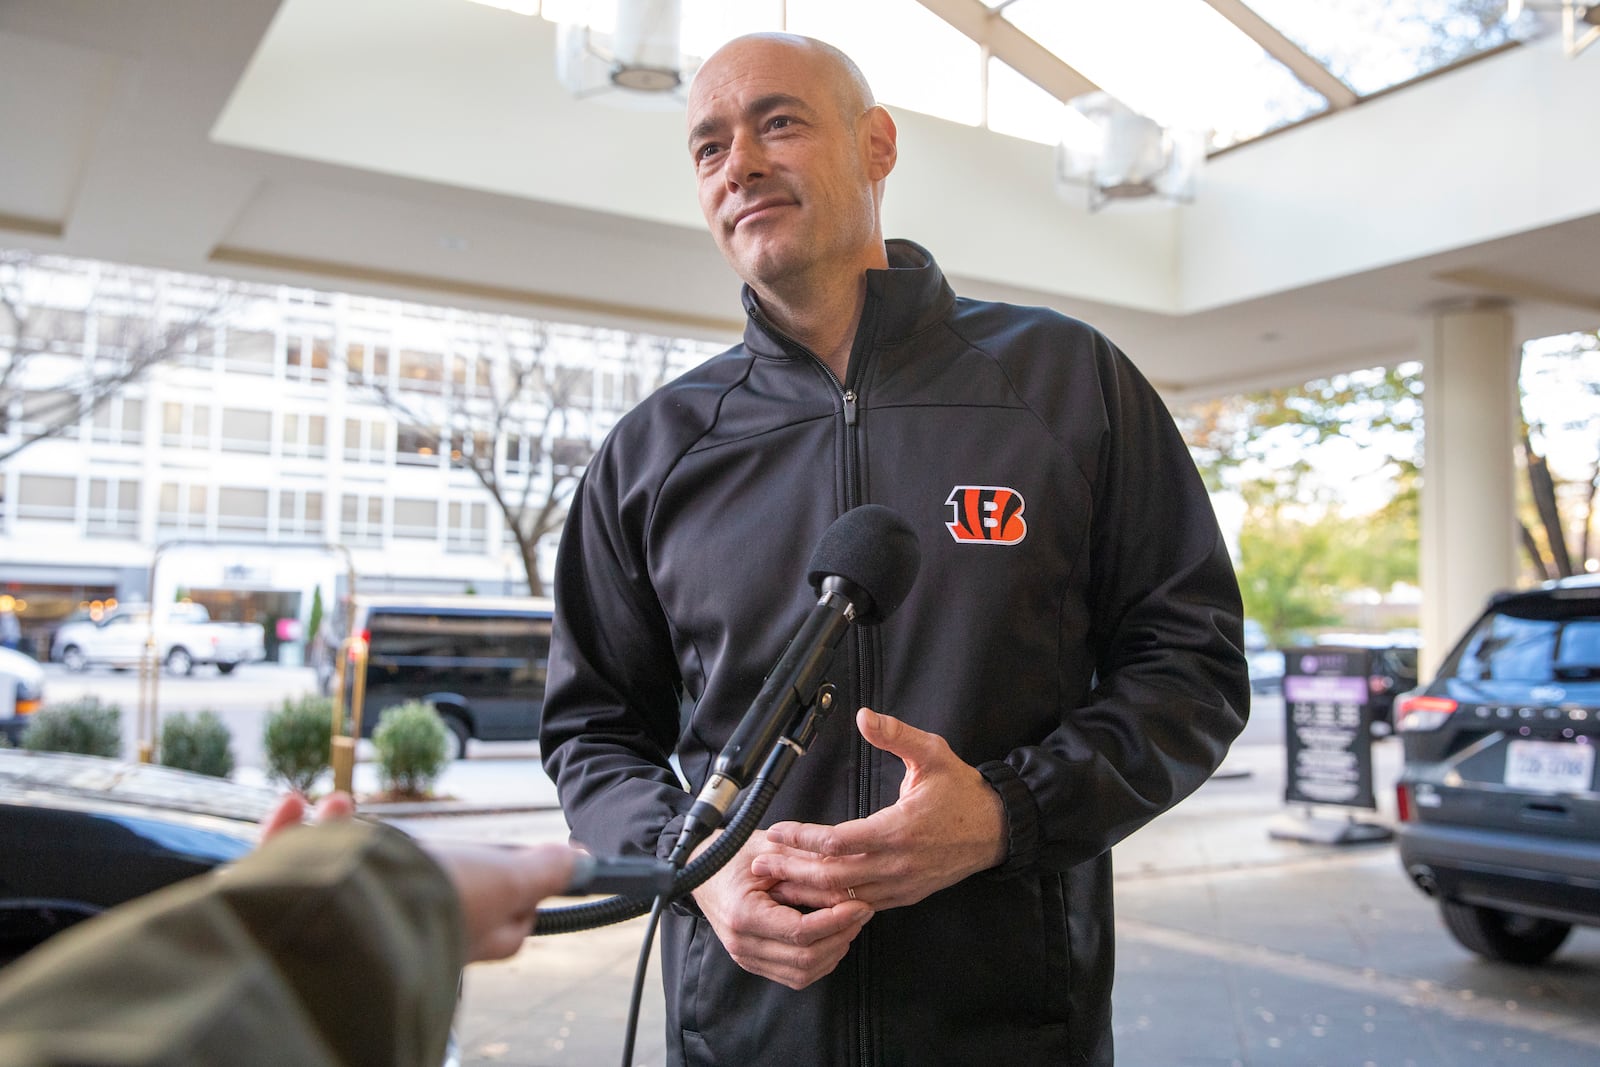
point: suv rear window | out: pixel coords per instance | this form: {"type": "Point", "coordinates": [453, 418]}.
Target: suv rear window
{"type": "Point", "coordinates": [1516, 648]}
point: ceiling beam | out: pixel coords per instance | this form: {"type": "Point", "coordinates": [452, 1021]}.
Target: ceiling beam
{"type": "Point", "coordinates": [1012, 47]}
{"type": "Point", "coordinates": [1285, 51]}
{"type": "Point", "coordinates": [1510, 285]}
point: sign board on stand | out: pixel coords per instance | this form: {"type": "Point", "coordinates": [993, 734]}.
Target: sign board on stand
{"type": "Point", "coordinates": [1328, 743]}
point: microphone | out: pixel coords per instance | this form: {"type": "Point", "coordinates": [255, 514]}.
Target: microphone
{"type": "Point", "coordinates": [861, 570]}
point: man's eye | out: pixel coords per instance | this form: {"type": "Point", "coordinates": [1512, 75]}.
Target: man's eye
{"type": "Point", "coordinates": [778, 122]}
{"type": "Point", "coordinates": [705, 151]}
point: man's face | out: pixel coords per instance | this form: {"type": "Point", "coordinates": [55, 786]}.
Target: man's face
{"type": "Point", "coordinates": [782, 162]}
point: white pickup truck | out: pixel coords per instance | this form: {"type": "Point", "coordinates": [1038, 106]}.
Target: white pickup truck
{"type": "Point", "coordinates": [184, 636]}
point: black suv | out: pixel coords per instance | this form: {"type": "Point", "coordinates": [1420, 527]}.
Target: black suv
{"type": "Point", "coordinates": [479, 660]}
{"type": "Point", "coordinates": [1500, 817]}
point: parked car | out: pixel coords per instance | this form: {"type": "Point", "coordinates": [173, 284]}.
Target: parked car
{"type": "Point", "coordinates": [80, 834]}
{"type": "Point", "coordinates": [1499, 811]}
{"type": "Point", "coordinates": [21, 692]}
{"type": "Point", "coordinates": [185, 635]}
{"type": "Point", "coordinates": [479, 660]}
{"type": "Point", "coordinates": [1266, 670]}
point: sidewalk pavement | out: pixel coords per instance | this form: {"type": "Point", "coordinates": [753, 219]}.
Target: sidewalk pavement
{"type": "Point", "coordinates": [1227, 824]}
{"type": "Point", "coordinates": [496, 778]}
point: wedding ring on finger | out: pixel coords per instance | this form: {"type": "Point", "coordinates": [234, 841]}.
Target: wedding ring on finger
{"type": "Point", "coordinates": [851, 891]}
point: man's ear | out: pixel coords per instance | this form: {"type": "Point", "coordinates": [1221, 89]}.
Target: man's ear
{"type": "Point", "coordinates": [881, 150]}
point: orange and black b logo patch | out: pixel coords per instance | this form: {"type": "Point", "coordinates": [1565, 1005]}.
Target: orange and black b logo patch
{"type": "Point", "coordinates": [986, 515]}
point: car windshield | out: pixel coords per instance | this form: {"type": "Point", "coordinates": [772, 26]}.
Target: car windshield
{"type": "Point", "coordinates": [1512, 648]}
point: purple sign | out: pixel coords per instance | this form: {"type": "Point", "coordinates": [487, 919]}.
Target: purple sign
{"type": "Point", "coordinates": [1322, 688]}
{"type": "Point", "coordinates": [1327, 732]}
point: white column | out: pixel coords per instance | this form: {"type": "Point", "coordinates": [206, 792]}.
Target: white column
{"type": "Point", "coordinates": [1468, 497]}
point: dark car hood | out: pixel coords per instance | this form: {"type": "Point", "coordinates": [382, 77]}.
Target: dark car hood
{"type": "Point", "coordinates": [50, 777]}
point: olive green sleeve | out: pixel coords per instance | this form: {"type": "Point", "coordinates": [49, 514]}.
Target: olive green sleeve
{"type": "Point", "coordinates": [331, 945]}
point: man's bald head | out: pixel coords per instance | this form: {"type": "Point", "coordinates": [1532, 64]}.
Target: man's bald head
{"type": "Point", "coordinates": [839, 71]}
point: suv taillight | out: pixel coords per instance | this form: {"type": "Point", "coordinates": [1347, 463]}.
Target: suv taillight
{"type": "Point", "coordinates": [1402, 801]}
{"type": "Point", "coordinates": [1425, 713]}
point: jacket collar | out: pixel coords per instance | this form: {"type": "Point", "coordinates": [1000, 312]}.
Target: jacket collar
{"type": "Point", "coordinates": [909, 296]}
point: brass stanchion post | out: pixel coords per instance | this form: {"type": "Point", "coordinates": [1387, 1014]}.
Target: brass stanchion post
{"type": "Point", "coordinates": [342, 753]}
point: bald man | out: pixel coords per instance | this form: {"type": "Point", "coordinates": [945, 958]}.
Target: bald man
{"type": "Point", "coordinates": [934, 884]}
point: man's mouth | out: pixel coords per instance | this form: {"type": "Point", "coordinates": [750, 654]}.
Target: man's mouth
{"type": "Point", "coordinates": [759, 210]}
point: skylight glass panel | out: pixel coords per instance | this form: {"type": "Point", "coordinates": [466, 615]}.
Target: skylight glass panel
{"type": "Point", "coordinates": [1177, 61]}
{"type": "Point", "coordinates": [1372, 45]}
{"type": "Point", "coordinates": [912, 58]}
{"type": "Point", "coordinates": [1019, 108]}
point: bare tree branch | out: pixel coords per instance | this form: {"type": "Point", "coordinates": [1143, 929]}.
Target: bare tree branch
{"type": "Point", "coordinates": [533, 404]}
{"type": "Point", "coordinates": [56, 391]}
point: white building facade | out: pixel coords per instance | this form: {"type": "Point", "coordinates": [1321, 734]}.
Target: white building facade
{"type": "Point", "coordinates": [296, 440]}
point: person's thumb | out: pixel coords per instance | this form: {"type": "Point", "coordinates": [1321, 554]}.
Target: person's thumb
{"type": "Point", "coordinates": [913, 746]}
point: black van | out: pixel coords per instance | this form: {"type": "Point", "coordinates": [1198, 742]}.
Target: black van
{"type": "Point", "coordinates": [479, 660]}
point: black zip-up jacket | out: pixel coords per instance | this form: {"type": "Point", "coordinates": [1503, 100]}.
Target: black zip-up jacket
{"type": "Point", "coordinates": [1074, 633]}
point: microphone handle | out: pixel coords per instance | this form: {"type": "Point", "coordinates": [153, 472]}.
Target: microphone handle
{"type": "Point", "coordinates": [787, 691]}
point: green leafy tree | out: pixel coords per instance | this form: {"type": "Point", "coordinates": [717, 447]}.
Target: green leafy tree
{"type": "Point", "coordinates": [1298, 552]}
{"type": "Point", "coordinates": [314, 622]}
{"type": "Point", "coordinates": [1560, 387]}
{"type": "Point", "coordinates": [1284, 567]}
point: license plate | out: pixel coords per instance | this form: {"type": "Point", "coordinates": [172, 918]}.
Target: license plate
{"type": "Point", "coordinates": [1549, 766]}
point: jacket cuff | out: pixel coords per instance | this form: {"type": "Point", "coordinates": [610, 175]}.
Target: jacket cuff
{"type": "Point", "coordinates": [1022, 817]}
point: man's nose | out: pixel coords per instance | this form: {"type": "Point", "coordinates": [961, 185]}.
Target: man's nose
{"type": "Point", "coordinates": [747, 161]}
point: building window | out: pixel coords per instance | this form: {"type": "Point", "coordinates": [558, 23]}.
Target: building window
{"type": "Point", "coordinates": [182, 509]}
{"type": "Point", "coordinates": [244, 430]}
{"type": "Point", "coordinates": [522, 453]}
{"type": "Point", "coordinates": [571, 387]}
{"type": "Point", "coordinates": [416, 447]}
{"type": "Point", "coordinates": [113, 507]}
{"type": "Point", "coordinates": [366, 363]}
{"type": "Point", "coordinates": [56, 329]}
{"type": "Point", "coordinates": [241, 511]}
{"type": "Point", "coordinates": [469, 527]}
{"type": "Point", "coordinates": [307, 358]}
{"type": "Point", "coordinates": [422, 371]}
{"type": "Point", "coordinates": [119, 421]}
{"type": "Point", "coordinates": [416, 519]}
{"type": "Point", "coordinates": [249, 351]}
{"type": "Point", "coordinates": [200, 348]}
{"type": "Point", "coordinates": [300, 515]}
{"type": "Point", "coordinates": [361, 520]}
{"type": "Point", "coordinates": [47, 497]}
{"type": "Point", "coordinates": [46, 409]}
{"type": "Point", "coordinates": [569, 455]}
{"type": "Point", "coordinates": [185, 425]}
{"type": "Point", "coordinates": [305, 436]}
{"type": "Point", "coordinates": [469, 375]}
{"type": "Point", "coordinates": [465, 448]}
{"type": "Point", "coordinates": [365, 441]}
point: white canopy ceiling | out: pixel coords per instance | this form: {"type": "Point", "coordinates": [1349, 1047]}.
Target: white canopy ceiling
{"type": "Point", "coordinates": [422, 148]}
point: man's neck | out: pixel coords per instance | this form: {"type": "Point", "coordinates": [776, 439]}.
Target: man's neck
{"type": "Point", "coordinates": [824, 321]}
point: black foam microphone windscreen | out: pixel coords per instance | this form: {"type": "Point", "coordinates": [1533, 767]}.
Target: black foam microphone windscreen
{"type": "Point", "coordinates": [873, 548]}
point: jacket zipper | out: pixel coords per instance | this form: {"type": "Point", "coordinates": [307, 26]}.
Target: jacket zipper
{"type": "Point", "coordinates": [850, 400]}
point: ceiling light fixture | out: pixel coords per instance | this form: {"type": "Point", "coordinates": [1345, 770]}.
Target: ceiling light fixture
{"type": "Point", "coordinates": [626, 53]}
{"type": "Point", "coordinates": [1575, 17]}
{"type": "Point", "coordinates": [1121, 157]}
